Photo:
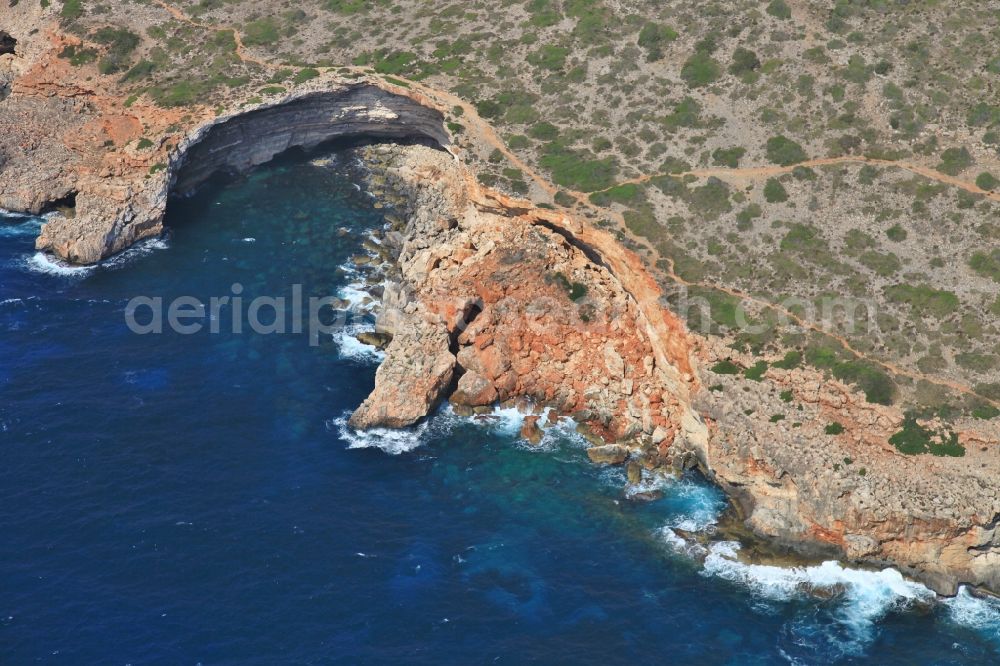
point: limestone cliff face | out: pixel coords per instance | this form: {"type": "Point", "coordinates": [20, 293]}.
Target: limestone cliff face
{"type": "Point", "coordinates": [112, 214]}
{"type": "Point", "coordinates": [513, 302]}
{"type": "Point", "coordinates": [496, 299]}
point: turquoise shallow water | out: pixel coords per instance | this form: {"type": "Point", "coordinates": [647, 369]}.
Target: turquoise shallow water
{"type": "Point", "coordinates": [197, 499]}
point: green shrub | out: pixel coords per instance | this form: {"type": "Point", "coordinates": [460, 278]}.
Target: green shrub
{"type": "Point", "coordinates": [834, 428]}
{"type": "Point", "coordinates": [884, 264]}
{"type": "Point", "coordinates": [710, 200]}
{"type": "Point", "coordinates": [652, 37]}
{"type": "Point", "coordinates": [987, 181]}
{"type": "Point", "coordinates": [397, 62]}
{"type": "Point", "coordinates": [549, 57]}
{"type": "Point", "coordinates": [262, 31]}
{"type": "Point", "coordinates": [896, 233]}
{"type": "Point", "coordinates": [544, 131]}
{"type": "Point", "coordinates": [804, 239]}
{"type": "Point", "coordinates": [878, 387]}
{"type": "Point", "coordinates": [777, 417]}
{"type": "Point", "coordinates": [914, 439]}
{"type": "Point", "coordinates": [726, 367]}
{"type": "Point", "coordinates": [779, 9]}
{"type": "Point", "coordinates": [924, 299]}
{"type": "Point", "coordinates": [140, 70]}
{"type": "Point", "coordinates": [121, 43]}
{"type": "Point", "coordinates": [756, 372]}
{"type": "Point", "coordinates": [624, 194]}
{"type": "Point", "coordinates": [143, 144]}
{"type": "Point", "coordinates": [700, 70]}
{"type": "Point", "coordinates": [985, 412]}
{"type": "Point", "coordinates": [304, 75]}
{"type": "Point", "coordinates": [782, 150]}
{"type": "Point", "coordinates": [574, 290]}
{"type": "Point", "coordinates": [577, 169]}
{"type": "Point", "coordinates": [986, 264]}
{"type": "Point", "coordinates": [744, 62]}
{"type": "Point", "coordinates": [774, 191]}
{"type": "Point", "coordinates": [71, 10]}
{"type": "Point", "coordinates": [78, 56]}
{"type": "Point", "coordinates": [728, 157]}
{"type": "Point", "coordinates": [786, 396]}
{"type": "Point", "coordinates": [791, 360]}
{"type": "Point", "coordinates": [955, 160]}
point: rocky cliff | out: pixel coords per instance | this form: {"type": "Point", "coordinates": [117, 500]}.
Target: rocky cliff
{"type": "Point", "coordinates": [496, 299]}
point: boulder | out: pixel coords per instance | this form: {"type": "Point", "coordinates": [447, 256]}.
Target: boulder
{"type": "Point", "coordinates": [608, 454]}
{"type": "Point", "coordinates": [530, 430]}
{"type": "Point", "coordinates": [474, 390]}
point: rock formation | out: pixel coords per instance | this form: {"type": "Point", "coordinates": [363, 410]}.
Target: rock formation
{"type": "Point", "coordinates": [496, 299]}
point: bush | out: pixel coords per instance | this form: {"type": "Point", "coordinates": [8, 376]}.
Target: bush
{"type": "Point", "coordinates": [576, 169]}
{"type": "Point", "coordinates": [726, 367]}
{"type": "Point", "coordinates": [652, 37]}
{"type": "Point", "coordinates": [397, 62]}
{"type": "Point", "coordinates": [834, 428]}
{"type": "Point", "coordinates": [954, 161]}
{"type": "Point", "coordinates": [121, 43]}
{"type": "Point", "coordinates": [987, 265]}
{"type": "Point", "coordinates": [710, 200]}
{"type": "Point", "coordinates": [544, 131]}
{"type": "Point", "coordinates": [914, 439]}
{"type": "Point", "coordinates": [896, 233]}
{"type": "Point", "coordinates": [987, 181]}
{"type": "Point", "coordinates": [782, 150]}
{"type": "Point", "coordinates": [924, 299]}
{"type": "Point", "coordinates": [803, 238]}
{"type": "Point", "coordinates": [700, 69]}
{"type": "Point", "coordinates": [774, 191]}
{"type": "Point", "coordinates": [71, 10]}
{"type": "Point", "coordinates": [744, 61]}
{"type": "Point", "coordinates": [985, 412]}
{"type": "Point", "coordinates": [549, 57]}
{"type": "Point", "coordinates": [728, 157]}
{"type": "Point", "coordinates": [756, 373]}
{"type": "Point", "coordinates": [624, 194]}
{"type": "Point", "coordinates": [140, 70]}
{"type": "Point", "coordinates": [779, 9]}
{"type": "Point", "coordinates": [791, 360]}
{"type": "Point", "coordinates": [305, 75]}
{"type": "Point", "coordinates": [260, 32]}
{"type": "Point", "coordinates": [877, 386]}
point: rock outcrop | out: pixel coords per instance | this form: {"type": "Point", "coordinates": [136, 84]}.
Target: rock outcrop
{"type": "Point", "coordinates": [496, 299]}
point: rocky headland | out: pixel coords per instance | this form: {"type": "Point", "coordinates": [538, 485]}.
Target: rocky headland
{"type": "Point", "coordinates": [496, 299]}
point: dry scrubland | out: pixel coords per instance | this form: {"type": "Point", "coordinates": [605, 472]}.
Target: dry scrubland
{"type": "Point", "coordinates": [652, 118]}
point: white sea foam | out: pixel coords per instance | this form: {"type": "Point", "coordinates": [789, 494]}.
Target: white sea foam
{"type": "Point", "coordinates": [350, 347]}
{"type": "Point", "coordinates": [865, 597]}
{"type": "Point", "coordinates": [141, 249]}
{"type": "Point", "coordinates": [40, 262]}
{"type": "Point", "coordinates": [392, 441]}
{"type": "Point", "coordinates": [977, 613]}
{"type": "Point", "coordinates": [355, 296]}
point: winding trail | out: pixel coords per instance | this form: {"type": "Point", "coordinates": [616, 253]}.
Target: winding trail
{"type": "Point", "coordinates": [484, 133]}
{"type": "Point", "coordinates": [751, 173]}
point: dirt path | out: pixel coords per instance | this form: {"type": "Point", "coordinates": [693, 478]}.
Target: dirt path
{"type": "Point", "coordinates": [483, 132]}
{"type": "Point", "coordinates": [751, 173]}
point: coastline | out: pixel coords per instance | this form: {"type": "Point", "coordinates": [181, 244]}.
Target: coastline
{"type": "Point", "coordinates": [657, 405]}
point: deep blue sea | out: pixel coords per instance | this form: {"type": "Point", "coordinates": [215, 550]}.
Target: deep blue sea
{"type": "Point", "coordinates": [197, 499]}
